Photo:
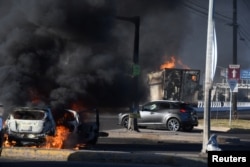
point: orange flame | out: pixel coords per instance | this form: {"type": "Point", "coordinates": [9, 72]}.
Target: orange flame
{"type": "Point", "coordinates": [173, 63]}
{"type": "Point", "coordinates": [57, 140]}
{"type": "Point", "coordinates": [51, 141]}
{"type": "Point", "coordinates": [169, 64]}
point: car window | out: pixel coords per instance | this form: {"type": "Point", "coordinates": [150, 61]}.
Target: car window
{"type": "Point", "coordinates": [68, 116]}
{"type": "Point", "coordinates": [186, 106]}
{"type": "Point", "coordinates": [28, 115]}
{"type": "Point", "coordinates": [150, 107]}
{"type": "Point", "coordinates": [175, 105]}
{"type": "Point", "coordinates": [164, 106]}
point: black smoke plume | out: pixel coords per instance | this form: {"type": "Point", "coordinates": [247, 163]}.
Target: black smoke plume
{"type": "Point", "coordinates": [58, 52]}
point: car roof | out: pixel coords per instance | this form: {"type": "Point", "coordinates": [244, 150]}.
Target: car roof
{"type": "Point", "coordinates": [171, 101]}
{"type": "Point", "coordinates": [29, 109]}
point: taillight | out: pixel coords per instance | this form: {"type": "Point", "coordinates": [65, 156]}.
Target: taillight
{"type": "Point", "coordinates": [183, 110]}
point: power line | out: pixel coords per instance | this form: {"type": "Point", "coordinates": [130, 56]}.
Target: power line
{"type": "Point", "coordinates": [244, 33]}
{"type": "Point", "coordinates": [202, 10]}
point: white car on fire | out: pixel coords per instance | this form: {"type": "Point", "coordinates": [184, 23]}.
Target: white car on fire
{"type": "Point", "coordinates": [29, 125]}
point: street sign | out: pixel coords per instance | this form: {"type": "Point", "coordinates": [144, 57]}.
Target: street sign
{"type": "Point", "coordinates": [233, 84]}
{"type": "Point", "coordinates": [136, 70]}
{"type": "Point", "coordinates": [233, 72]}
{"type": "Point", "coordinates": [244, 74]}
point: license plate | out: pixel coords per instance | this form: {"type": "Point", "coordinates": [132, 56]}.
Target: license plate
{"type": "Point", "coordinates": [26, 128]}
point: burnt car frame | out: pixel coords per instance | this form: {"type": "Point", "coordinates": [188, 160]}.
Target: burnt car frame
{"type": "Point", "coordinates": [29, 125]}
{"type": "Point", "coordinates": [166, 114]}
{"type": "Point", "coordinates": [83, 127]}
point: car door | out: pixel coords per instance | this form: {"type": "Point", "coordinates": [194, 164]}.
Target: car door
{"type": "Point", "coordinates": [152, 113]}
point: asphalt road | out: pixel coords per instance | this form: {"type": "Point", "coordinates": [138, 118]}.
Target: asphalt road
{"type": "Point", "coordinates": [142, 147]}
{"type": "Point", "coordinates": [109, 122]}
{"type": "Point", "coordinates": [71, 164]}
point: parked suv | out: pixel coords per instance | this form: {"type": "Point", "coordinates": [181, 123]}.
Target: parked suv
{"type": "Point", "coordinates": [29, 125]}
{"type": "Point", "coordinates": [173, 115]}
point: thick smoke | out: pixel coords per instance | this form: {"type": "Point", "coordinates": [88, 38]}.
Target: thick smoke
{"type": "Point", "coordinates": [58, 52]}
{"type": "Point", "coordinates": [161, 30]}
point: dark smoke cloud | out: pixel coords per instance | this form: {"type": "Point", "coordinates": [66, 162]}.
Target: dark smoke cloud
{"type": "Point", "coordinates": [66, 51]}
{"type": "Point", "coordinates": [162, 28]}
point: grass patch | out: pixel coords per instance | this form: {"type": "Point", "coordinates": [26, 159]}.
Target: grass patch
{"type": "Point", "coordinates": [235, 124]}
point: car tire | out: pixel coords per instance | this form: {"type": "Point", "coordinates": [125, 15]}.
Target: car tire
{"type": "Point", "coordinates": [173, 124]}
{"type": "Point", "coordinates": [188, 128]}
{"type": "Point", "coordinates": [125, 122]}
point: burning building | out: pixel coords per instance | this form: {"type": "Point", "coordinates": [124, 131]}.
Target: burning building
{"type": "Point", "coordinates": [174, 84]}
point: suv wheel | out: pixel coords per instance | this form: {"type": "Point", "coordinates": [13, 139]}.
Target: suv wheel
{"type": "Point", "coordinates": [173, 124]}
{"type": "Point", "coordinates": [125, 122]}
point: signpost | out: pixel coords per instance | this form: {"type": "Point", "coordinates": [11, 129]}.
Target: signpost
{"type": "Point", "coordinates": [233, 71]}
{"type": "Point", "coordinates": [233, 84]}
{"type": "Point", "coordinates": [233, 78]}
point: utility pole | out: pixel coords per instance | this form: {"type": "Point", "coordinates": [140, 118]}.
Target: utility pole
{"type": "Point", "coordinates": [135, 107]}
{"type": "Point", "coordinates": [235, 27]}
{"type": "Point", "coordinates": [208, 78]}
{"type": "Point", "coordinates": [136, 71]}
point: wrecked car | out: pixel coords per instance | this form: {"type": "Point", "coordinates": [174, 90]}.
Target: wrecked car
{"type": "Point", "coordinates": [83, 127]}
{"type": "Point", "coordinates": [26, 125]}
{"type": "Point", "coordinates": [69, 119]}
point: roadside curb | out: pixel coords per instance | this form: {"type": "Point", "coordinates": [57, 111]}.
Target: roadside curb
{"type": "Point", "coordinates": [153, 136]}
{"type": "Point", "coordinates": [195, 160]}
{"type": "Point", "coordinates": [36, 153]}
{"type": "Point", "coordinates": [161, 136]}
{"type": "Point", "coordinates": [166, 159]}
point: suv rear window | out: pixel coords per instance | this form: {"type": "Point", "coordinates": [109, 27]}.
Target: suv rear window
{"type": "Point", "coordinates": [181, 105]}
{"type": "Point", "coordinates": [186, 106]}
{"type": "Point", "coordinates": [28, 115]}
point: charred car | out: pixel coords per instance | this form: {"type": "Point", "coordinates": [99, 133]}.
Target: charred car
{"type": "Point", "coordinates": [26, 125]}
{"type": "Point", "coordinates": [82, 125]}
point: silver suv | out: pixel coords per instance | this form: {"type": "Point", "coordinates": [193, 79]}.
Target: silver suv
{"type": "Point", "coordinates": [173, 115]}
{"type": "Point", "coordinates": [29, 125]}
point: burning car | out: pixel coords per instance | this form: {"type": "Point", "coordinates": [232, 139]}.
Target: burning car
{"type": "Point", "coordinates": [82, 129]}
{"type": "Point", "coordinates": [66, 128]}
{"type": "Point", "coordinates": [27, 125]}
{"type": "Point", "coordinates": [69, 119]}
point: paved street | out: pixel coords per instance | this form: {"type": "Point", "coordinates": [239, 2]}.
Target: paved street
{"type": "Point", "coordinates": [148, 146]}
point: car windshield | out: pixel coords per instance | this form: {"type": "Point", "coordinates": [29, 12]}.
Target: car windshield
{"type": "Point", "coordinates": [69, 116]}
{"type": "Point", "coordinates": [29, 115]}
